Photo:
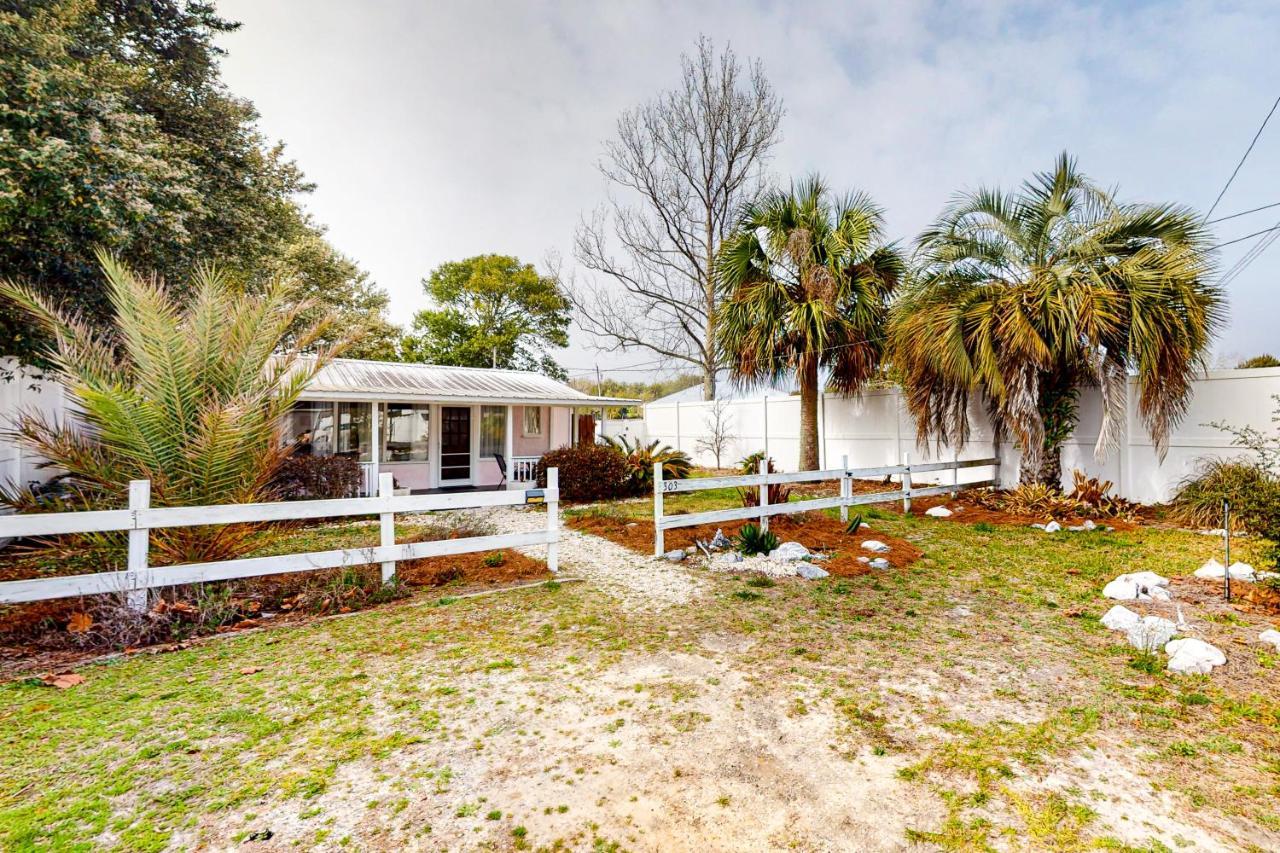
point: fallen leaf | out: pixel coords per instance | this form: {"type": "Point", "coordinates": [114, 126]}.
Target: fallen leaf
{"type": "Point", "coordinates": [61, 680]}
{"type": "Point", "coordinates": [250, 670]}
{"type": "Point", "coordinates": [79, 623]}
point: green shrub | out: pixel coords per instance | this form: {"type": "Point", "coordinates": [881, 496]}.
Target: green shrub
{"type": "Point", "coordinates": [588, 472]}
{"type": "Point", "coordinates": [753, 540]}
{"type": "Point", "coordinates": [642, 457]}
{"type": "Point", "coordinates": [1264, 360]}
{"type": "Point", "coordinates": [1254, 495]}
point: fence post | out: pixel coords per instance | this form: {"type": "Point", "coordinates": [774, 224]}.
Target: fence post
{"type": "Point", "coordinates": [846, 488]}
{"type": "Point", "coordinates": [139, 539]}
{"type": "Point", "coordinates": [955, 473]}
{"type": "Point", "coordinates": [906, 483]}
{"type": "Point", "coordinates": [764, 493]}
{"type": "Point", "coordinates": [658, 539]}
{"type": "Point", "coordinates": [386, 490]}
{"type": "Point", "coordinates": [553, 521]}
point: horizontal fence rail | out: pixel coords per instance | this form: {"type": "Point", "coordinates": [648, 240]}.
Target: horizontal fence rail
{"type": "Point", "coordinates": [141, 518]}
{"type": "Point", "coordinates": [765, 478]}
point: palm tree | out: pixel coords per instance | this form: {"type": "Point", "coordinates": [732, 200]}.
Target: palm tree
{"type": "Point", "coordinates": [189, 398]}
{"type": "Point", "coordinates": [1017, 299]}
{"type": "Point", "coordinates": [807, 279]}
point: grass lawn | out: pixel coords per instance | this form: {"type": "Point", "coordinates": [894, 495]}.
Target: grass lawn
{"type": "Point", "coordinates": [970, 701]}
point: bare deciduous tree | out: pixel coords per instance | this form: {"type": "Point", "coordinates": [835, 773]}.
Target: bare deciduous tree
{"type": "Point", "coordinates": [718, 421]}
{"type": "Point", "coordinates": [693, 156]}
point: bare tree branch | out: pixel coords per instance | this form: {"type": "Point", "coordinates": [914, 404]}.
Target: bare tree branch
{"type": "Point", "coordinates": [688, 161]}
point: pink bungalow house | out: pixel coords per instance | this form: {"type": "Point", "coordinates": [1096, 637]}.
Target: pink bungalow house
{"type": "Point", "coordinates": [436, 427]}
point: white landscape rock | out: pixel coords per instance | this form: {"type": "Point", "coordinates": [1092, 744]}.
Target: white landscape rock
{"type": "Point", "coordinates": [789, 551]}
{"type": "Point", "coordinates": [879, 563]}
{"type": "Point", "coordinates": [1150, 633]}
{"type": "Point", "coordinates": [808, 571]}
{"type": "Point", "coordinates": [1213, 570]}
{"type": "Point", "coordinates": [938, 512]}
{"type": "Point", "coordinates": [1052, 527]}
{"type": "Point", "coordinates": [1272, 636]}
{"type": "Point", "coordinates": [1138, 586]}
{"type": "Point", "coordinates": [1190, 655]}
{"type": "Point", "coordinates": [1120, 618]}
{"type": "Point", "coordinates": [875, 546]}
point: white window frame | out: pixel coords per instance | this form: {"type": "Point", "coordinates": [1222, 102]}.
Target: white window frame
{"type": "Point", "coordinates": [525, 431]}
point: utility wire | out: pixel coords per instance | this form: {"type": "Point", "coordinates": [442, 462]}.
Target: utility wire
{"type": "Point", "coordinates": [1243, 213]}
{"type": "Point", "coordinates": [1247, 151]}
{"type": "Point", "coordinates": [1247, 236]}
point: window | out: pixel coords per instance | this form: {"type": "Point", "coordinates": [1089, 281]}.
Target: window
{"type": "Point", "coordinates": [308, 429]}
{"type": "Point", "coordinates": [404, 432]}
{"type": "Point", "coordinates": [493, 431]}
{"type": "Point", "coordinates": [354, 433]}
{"type": "Point", "coordinates": [532, 420]}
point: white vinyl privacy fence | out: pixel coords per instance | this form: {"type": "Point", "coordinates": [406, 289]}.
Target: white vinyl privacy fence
{"type": "Point", "coordinates": [846, 498]}
{"type": "Point", "coordinates": [876, 429]}
{"type": "Point", "coordinates": [141, 518]}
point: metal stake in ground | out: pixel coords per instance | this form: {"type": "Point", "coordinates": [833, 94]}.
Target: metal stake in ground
{"type": "Point", "coordinates": [1226, 547]}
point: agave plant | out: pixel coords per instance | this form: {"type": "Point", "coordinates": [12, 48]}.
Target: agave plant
{"type": "Point", "coordinates": [778, 493]}
{"type": "Point", "coordinates": [642, 457]}
{"type": "Point", "coordinates": [752, 540]}
{"type": "Point", "coordinates": [188, 396]}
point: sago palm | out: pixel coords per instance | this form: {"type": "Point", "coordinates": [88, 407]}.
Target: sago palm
{"type": "Point", "coordinates": [807, 278]}
{"type": "Point", "coordinates": [188, 397]}
{"type": "Point", "coordinates": [1017, 299]}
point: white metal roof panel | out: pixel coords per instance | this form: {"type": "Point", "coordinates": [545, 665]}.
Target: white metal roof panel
{"type": "Point", "coordinates": [350, 378]}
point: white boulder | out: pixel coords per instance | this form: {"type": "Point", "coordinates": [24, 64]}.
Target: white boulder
{"type": "Point", "coordinates": [875, 546]}
{"type": "Point", "coordinates": [1190, 655]}
{"type": "Point", "coordinates": [1052, 527]}
{"type": "Point", "coordinates": [879, 563]}
{"type": "Point", "coordinates": [1138, 586]}
{"type": "Point", "coordinates": [808, 571]}
{"type": "Point", "coordinates": [1089, 525]}
{"type": "Point", "coordinates": [1120, 618]}
{"type": "Point", "coordinates": [938, 512]}
{"type": "Point", "coordinates": [1272, 636]}
{"type": "Point", "coordinates": [1150, 633]}
{"type": "Point", "coordinates": [1213, 570]}
{"type": "Point", "coordinates": [789, 551]}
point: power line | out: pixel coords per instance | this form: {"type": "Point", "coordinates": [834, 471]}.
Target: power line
{"type": "Point", "coordinates": [1247, 237]}
{"type": "Point", "coordinates": [1247, 151]}
{"type": "Point", "coordinates": [1250, 256]}
{"type": "Point", "coordinates": [1243, 213]}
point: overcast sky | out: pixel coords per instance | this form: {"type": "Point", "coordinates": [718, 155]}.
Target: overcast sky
{"type": "Point", "coordinates": [436, 131]}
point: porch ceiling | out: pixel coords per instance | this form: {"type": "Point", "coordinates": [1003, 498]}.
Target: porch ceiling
{"type": "Point", "coordinates": [356, 379]}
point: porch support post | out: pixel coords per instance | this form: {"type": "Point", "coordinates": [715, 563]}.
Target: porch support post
{"type": "Point", "coordinates": [375, 441]}
{"type": "Point", "coordinates": [509, 445]}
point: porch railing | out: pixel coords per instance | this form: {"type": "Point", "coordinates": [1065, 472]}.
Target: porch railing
{"type": "Point", "coordinates": [524, 468]}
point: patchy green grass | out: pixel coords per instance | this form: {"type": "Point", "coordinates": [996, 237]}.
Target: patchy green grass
{"type": "Point", "coordinates": [360, 728]}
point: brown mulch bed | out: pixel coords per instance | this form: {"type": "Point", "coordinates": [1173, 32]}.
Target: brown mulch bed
{"type": "Point", "coordinates": [966, 510]}
{"type": "Point", "coordinates": [35, 635]}
{"type": "Point", "coordinates": [815, 531]}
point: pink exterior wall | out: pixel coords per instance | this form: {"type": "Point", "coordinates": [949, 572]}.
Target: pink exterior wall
{"type": "Point", "coordinates": [409, 475]}
{"type": "Point", "coordinates": [561, 434]}
{"type": "Point", "coordinates": [531, 445]}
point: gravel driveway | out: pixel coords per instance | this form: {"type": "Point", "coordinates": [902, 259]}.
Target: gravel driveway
{"type": "Point", "coordinates": [644, 583]}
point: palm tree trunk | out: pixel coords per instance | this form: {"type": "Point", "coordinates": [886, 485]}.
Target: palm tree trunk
{"type": "Point", "coordinates": [808, 376]}
{"type": "Point", "coordinates": [1048, 472]}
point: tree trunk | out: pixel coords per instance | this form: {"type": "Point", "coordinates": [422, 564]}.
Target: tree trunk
{"type": "Point", "coordinates": [709, 383]}
{"type": "Point", "coordinates": [808, 376]}
{"type": "Point", "coordinates": [1048, 472]}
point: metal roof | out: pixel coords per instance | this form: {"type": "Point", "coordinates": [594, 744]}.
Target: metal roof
{"type": "Point", "coordinates": [357, 379]}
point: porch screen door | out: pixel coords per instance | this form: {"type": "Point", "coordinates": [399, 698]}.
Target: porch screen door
{"type": "Point", "coordinates": [455, 443]}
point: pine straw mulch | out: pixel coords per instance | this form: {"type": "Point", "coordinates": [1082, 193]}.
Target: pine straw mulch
{"type": "Point", "coordinates": [815, 531]}
{"type": "Point", "coordinates": [966, 510]}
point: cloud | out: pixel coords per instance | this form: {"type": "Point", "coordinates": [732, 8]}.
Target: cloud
{"type": "Point", "coordinates": [437, 131]}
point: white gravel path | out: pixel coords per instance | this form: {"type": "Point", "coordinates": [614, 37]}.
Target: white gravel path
{"type": "Point", "coordinates": [638, 582]}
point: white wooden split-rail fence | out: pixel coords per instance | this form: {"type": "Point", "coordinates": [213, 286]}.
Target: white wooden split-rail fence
{"type": "Point", "coordinates": [905, 491]}
{"type": "Point", "coordinates": [141, 518]}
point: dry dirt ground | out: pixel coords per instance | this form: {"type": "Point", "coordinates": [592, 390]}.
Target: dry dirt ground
{"type": "Point", "coordinates": [967, 701]}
